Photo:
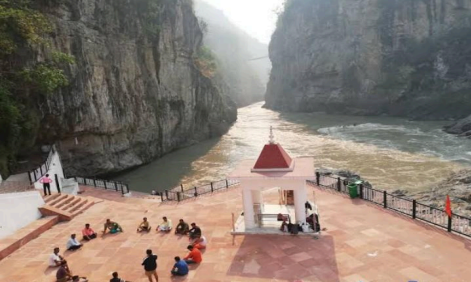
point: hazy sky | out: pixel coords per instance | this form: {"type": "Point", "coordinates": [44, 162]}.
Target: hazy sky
{"type": "Point", "coordinates": [256, 17]}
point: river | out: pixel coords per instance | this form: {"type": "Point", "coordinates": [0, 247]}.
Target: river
{"type": "Point", "coordinates": [391, 153]}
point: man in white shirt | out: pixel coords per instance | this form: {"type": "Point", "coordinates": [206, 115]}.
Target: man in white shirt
{"type": "Point", "coordinates": [55, 259]}
{"type": "Point", "coordinates": [165, 226]}
{"type": "Point", "coordinates": [200, 243]}
{"type": "Point", "coordinates": [73, 244]}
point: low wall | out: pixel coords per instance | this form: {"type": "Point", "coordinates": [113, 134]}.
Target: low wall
{"type": "Point", "coordinates": [18, 210]}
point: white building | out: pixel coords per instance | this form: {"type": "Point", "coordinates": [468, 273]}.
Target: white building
{"type": "Point", "coordinates": [274, 169]}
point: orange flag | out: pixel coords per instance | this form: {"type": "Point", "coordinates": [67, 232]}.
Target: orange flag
{"type": "Point", "coordinates": [448, 206]}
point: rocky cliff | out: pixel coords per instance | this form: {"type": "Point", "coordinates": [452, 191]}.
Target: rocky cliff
{"type": "Point", "coordinates": [398, 57]}
{"type": "Point", "coordinates": [134, 92]}
{"type": "Point", "coordinates": [245, 79]}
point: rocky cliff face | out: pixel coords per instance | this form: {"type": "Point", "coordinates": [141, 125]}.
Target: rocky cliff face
{"type": "Point", "coordinates": [407, 58]}
{"type": "Point", "coordinates": [135, 93]}
{"type": "Point", "coordinates": [246, 80]}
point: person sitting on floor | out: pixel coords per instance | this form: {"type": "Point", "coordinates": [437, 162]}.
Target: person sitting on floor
{"type": "Point", "coordinates": [200, 243]}
{"type": "Point", "coordinates": [77, 278]}
{"type": "Point", "coordinates": [144, 226]}
{"type": "Point", "coordinates": [88, 233]}
{"type": "Point", "coordinates": [194, 256]}
{"type": "Point", "coordinates": [182, 228]}
{"type": "Point", "coordinates": [284, 226]}
{"type": "Point", "coordinates": [180, 268]}
{"type": "Point", "coordinates": [112, 226]}
{"type": "Point", "coordinates": [55, 259]}
{"type": "Point", "coordinates": [195, 232]}
{"type": "Point", "coordinates": [116, 278]}
{"type": "Point", "coordinates": [165, 226]}
{"type": "Point", "coordinates": [63, 274]}
{"type": "Point", "coordinates": [73, 244]}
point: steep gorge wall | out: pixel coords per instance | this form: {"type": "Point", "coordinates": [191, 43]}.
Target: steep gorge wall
{"type": "Point", "coordinates": [135, 93]}
{"type": "Point", "coordinates": [398, 57]}
{"type": "Point", "coordinates": [246, 80]}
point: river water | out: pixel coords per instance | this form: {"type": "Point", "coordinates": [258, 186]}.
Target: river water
{"type": "Point", "coordinates": [392, 153]}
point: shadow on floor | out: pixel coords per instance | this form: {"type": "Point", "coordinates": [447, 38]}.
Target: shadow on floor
{"type": "Point", "coordinates": [286, 258]}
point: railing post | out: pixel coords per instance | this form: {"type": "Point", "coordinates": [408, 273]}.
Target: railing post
{"type": "Point", "coordinates": [105, 184]}
{"type": "Point", "coordinates": [121, 185]}
{"type": "Point", "coordinates": [94, 182]}
{"type": "Point", "coordinates": [227, 184]}
{"type": "Point", "coordinates": [115, 186]}
{"type": "Point", "coordinates": [385, 199]}
{"type": "Point", "coordinates": [318, 178]}
{"type": "Point", "coordinates": [339, 184]}
{"type": "Point", "coordinates": [57, 183]}
{"type": "Point", "coordinates": [181, 185]}
{"type": "Point", "coordinates": [166, 194]}
{"type": "Point", "coordinates": [161, 196]}
{"type": "Point", "coordinates": [178, 196]}
{"type": "Point", "coordinates": [212, 188]}
{"type": "Point", "coordinates": [449, 224]}
{"type": "Point", "coordinates": [41, 169]}
{"type": "Point", "coordinates": [29, 176]}
{"type": "Point", "coordinates": [196, 192]}
{"type": "Point", "coordinates": [361, 191]}
{"type": "Point", "coordinates": [414, 208]}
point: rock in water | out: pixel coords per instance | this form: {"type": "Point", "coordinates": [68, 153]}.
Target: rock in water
{"type": "Point", "coordinates": [372, 57]}
{"type": "Point", "coordinates": [135, 92]}
{"type": "Point", "coordinates": [461, 127]}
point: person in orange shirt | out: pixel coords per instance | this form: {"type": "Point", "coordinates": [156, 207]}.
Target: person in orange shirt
{"type": "Point", "coordinates": [88, 233]}
{"type": "Point", "coordinates": [194, 256]}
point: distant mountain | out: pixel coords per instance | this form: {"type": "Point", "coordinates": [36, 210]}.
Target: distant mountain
{"type": "Point", "coordinates": [246, 79]}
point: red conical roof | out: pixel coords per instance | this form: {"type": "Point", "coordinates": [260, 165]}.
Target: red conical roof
{"type": "Point", "coordinates": [273, 156]}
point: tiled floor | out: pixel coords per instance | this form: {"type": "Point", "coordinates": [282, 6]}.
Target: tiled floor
{"type": "Point", "coordinates": [362, 243]}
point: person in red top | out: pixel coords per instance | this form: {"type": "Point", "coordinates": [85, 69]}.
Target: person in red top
{"type": "Point", "coordinates": [194, 256]}
{"type": "Point", "coordinates": [46, 181]}
{"type": "Point", "coordinates": [88, 233]}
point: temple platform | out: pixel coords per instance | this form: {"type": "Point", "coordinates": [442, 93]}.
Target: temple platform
{"type": "Point", "coordinates": [362, 243]}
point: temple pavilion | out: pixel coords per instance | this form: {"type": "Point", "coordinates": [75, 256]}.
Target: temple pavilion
{"type": "Point", "coordinates": [274, 172]}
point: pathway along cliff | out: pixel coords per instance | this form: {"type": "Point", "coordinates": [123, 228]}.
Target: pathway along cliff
{"type": "Point", "coordinates": [392, 153]}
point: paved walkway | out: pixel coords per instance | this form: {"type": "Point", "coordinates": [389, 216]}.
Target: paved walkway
{"type": "Point", "coordinates": [362, 243]}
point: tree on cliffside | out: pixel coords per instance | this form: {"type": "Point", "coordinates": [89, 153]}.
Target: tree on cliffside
{"type": "Point", "coordinates": [22, 30]}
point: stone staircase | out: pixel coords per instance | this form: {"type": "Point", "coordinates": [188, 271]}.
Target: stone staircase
{"type": "Point", "coordinates": [65, 206]}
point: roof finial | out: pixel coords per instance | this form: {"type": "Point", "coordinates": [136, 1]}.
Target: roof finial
{"type": "Point", "coordinates": [272, 140]}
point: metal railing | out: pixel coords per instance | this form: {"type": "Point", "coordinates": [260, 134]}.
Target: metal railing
{"type": "Point", "coordinates": [408, 207]}
{"type": "Point", "coordinates": [181, 193]}
{"type": "Point", "coordinates": [36, 174]}
{"type": "Point", "coordinates": [101, 183]}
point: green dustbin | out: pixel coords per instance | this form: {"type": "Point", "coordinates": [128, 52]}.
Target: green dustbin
{"type": "Point", "coordinates": [352, 190]}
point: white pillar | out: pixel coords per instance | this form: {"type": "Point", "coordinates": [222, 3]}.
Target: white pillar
{"type": "Point", "coordinates": [248, 209]}
{"type": "Point", "coordinates": [300, 198]}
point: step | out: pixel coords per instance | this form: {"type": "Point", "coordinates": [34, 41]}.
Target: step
{"type": "Point", "coordinates": [48, 210]}
{"type": "Point", "coordinates": [79, 205]}
{"type": "Point", "coordinates": [58, 199]}
{"type": "Point", "coordinates": [84, 208]}
{"type": "Point", "coordinates": [72, 204]}
{"type": "Point", "coordinates": [22, 236]}
{"type": "Point", "coordinates": [64, 202]}
{"type": "Point", "coordinates": [49, 198]}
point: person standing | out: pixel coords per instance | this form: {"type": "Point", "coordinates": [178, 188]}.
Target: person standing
{"type": "Point", "coordinates": [150, 265]}
{"type": "Point", "coordinates": [73, 244]}
{"type": "Point", "coordinates": [46, 181]}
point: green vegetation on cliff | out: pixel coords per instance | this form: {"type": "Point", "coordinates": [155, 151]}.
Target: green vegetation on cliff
{"type": "Point", "coordinates": [22, 29]}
